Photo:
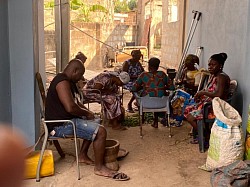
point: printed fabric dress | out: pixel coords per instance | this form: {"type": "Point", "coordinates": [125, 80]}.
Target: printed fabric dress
{"type": "Point", "coordinates": [134, 72]}
{"type": "Point", "coordinates": [111, 101]}
{"type": "Point", "coordinates": [153, 84]}
{"type": "Point", "coordinates": [196, 110]}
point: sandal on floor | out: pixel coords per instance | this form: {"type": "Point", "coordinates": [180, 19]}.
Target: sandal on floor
{"type": "Point", "coordinates": [122, 154]}
{"type": "Point", "coordinates": [194, 141]}
{"type": "Point", "coordinates": [135, 109]}
{"type": "Point", "coordinates": [130, 110]}
{"type": "Point", "coordinates": [119, 176]}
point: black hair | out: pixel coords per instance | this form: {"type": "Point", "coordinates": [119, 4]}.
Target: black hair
{"type": "Point", "coordinates": [220, 58]}
{"type": "Point", "coordinates": [80, 55]}
{"type": "Point", "coordinates": [154, 62]}
{"type": "Point", "coordinates": [136, 51]}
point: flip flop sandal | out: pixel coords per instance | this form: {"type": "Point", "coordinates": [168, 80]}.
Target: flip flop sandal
{"type": "Point", "coordinates": [119, 176]}
{"type": "Point", "coordinates": [194, 141]}
{"type": "Point", "coordinates": [135, 109]}
{"type": "Point", "coordinates": [130, 110]}
{"type": "Point", "coordinates": [87, 163]}
{"type": "Point", "coordinates": [122, 154]}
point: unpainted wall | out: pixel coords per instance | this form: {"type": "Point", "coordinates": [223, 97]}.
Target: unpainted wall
{"type": "Point", "coordinates": [172, 36]}
{"type": "Point", "coordinates": [89, 41]}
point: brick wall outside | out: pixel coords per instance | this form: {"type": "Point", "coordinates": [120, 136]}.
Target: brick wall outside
{"type": "Point", "coordinates": [111, 34]}
{"type": "Point", "coordinates": [171, 46]}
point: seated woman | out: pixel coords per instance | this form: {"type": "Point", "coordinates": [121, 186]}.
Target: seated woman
{"type": "Point", "coordinates": [80, 56]}
{"type": "Point", "coordinates": [187, 78]}
{"type": "Point", "coordinates": [108, 83]}
{"type": "Point", "coordinates": [134, 69]}
{"type": "Point", "coordinates": [154, 82]}
{"type": "Point", "coordinates": [187, 86]}
{"type": "Point", "coordinates": [217, 86]}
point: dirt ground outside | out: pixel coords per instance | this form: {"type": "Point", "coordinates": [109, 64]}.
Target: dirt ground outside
{"type": "Point", "coordinates": [154, 161]}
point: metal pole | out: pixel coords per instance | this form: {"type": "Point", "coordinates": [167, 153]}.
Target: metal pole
{"type": "Point", "coordinates": [182, 57]}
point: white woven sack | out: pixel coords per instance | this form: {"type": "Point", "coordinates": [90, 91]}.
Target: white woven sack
{"type": "Point", "coordinates": [226, 139]}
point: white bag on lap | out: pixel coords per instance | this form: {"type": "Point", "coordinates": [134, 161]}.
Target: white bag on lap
{"type": "Point", "coordinates": [226, 139]}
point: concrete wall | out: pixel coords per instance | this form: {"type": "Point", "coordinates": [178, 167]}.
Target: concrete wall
{"type": "Point", "coordinates": [5, 98]}
{"type": "Point", "coordinates": [111, 34]}
{"type": "Point", "coordinates": [172, 36]}
{"type": "Point", "coordinates": [225, 27]}
{"type": "Point", "coordinates": [17, 95]}
{"type": "Point", "coordinates": [140, 19]}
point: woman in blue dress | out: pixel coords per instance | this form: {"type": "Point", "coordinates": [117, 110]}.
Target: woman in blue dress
{"type": "Point", "coordinates": [134, 68]}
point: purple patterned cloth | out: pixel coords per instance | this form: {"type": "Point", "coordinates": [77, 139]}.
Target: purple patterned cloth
{"type": "Point", "coordinates": [111, 100]}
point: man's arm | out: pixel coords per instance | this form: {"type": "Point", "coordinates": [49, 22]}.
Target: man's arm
{"type": "Point", "coordinates": [67, 99]}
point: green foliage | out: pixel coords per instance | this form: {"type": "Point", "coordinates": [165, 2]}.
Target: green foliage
{"type": "Point", "coordinates": [132, 4]}
{"type": "Point", "coordinates": [82, 11]}
{"type": "Point", "coordinates": [121, 6]}
{"type": "Point", "coordinates": [98, 8]}
{"type": "Point", "coordinates": [75, 4]}
{"type": "Point", "coordinates": [49, 4]}
{"type": "Point", "coordinates": [133, 120]}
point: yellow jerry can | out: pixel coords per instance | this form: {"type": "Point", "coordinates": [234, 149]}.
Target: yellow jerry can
{"type": "Point", "coordinates": [31, 162]}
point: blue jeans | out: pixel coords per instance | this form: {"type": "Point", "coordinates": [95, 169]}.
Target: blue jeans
{"type": "Point", "coordinates": [85, 129]}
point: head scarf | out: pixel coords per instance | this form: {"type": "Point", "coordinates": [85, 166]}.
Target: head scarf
{"type": "Point", "coordinates": [123, 76]}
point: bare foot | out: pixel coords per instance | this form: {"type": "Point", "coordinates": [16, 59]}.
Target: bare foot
{"type": "Point", "coordinates": [155, 125]}
{"type": "Point", "coordinates": [104, 171]}
{"type": "Point", "coordinates": [86, 160]}
{"type": "Point", "coordinates": [117, 126]}
{"type": "Point", "coordinates": [114, 175]}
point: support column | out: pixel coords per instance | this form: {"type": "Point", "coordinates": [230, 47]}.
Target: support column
{"type": "Point", "coordinates": [62, 21]}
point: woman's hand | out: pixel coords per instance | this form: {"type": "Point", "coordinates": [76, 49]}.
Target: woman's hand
{"type": "Point", "coordinates": [198, 95]}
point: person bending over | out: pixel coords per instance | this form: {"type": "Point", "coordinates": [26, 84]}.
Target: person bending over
{"type": "Point", "coordinates": [62, 103]}
{"type": "Point", "coordinates": [154, 82]}
{"type": "Point", "coordinates": [217, 86]}
{"type": "Point", "coordinates": [108, 83]}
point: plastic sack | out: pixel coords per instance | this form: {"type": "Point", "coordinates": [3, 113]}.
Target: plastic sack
{"type": "Point", "coordinates": [247, 144]}
{"type": "Point", "coordinates": [178, 103]}
{"type": "Point", "coordinates": [226, 139]}
{"type": "Point", "coordinates": [236, 174]}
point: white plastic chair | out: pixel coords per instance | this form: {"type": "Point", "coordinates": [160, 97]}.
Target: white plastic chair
{"type": "Point", "coordinates": [153, 104]}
